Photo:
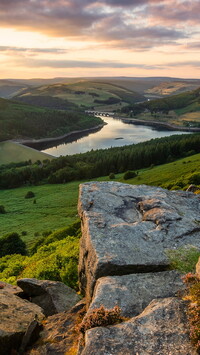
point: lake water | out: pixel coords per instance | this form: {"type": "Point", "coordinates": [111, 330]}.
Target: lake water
{"type": "Point", "coordinates": [115, 133]}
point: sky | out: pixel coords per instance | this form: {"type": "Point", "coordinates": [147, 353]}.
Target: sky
{"type": "Point", "coordinates": [80, 38]}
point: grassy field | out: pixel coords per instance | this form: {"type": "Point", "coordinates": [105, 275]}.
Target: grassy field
{"type": "Point", "coordinates": [56, 205]}
{"type": "Point", "coordinates": [168, 175]}
{"type": "Point", "coordinates": [14, 152]}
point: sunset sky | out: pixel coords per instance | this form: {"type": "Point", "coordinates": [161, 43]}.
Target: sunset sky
{"type": "Point", "coordinates": [51, 38]}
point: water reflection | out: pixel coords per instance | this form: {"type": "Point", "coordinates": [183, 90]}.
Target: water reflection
{"type": "Point", "coordinates": [108, 137]}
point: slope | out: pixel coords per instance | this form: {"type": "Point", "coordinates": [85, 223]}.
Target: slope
{"type": "Point", "coordinates": [182, 109]}
{"type": "Point", "coordinates": [84, 94]}
{"type": "Point", "coordinates": [19, 120]}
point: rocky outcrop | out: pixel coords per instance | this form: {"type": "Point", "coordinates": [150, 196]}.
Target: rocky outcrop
{"type": "Point", "coordinates": [52, 296]}
{"type": "Point", "coordinates": [15, 290]}
{"type": "Point", "coordinates": [126, 233]}
{"type": "Point", "coordinates": [127, 229]}
{"type": "Point", "coordinates": [16, 315]}
{"type": "Point", "coordinates": [160, 330]}
{"type": "Point", "coordinates": [59, 335]}
{"type": "Point", "coordinates": [133, 293]}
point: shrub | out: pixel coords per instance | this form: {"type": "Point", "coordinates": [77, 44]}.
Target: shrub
{"type": "Point", "coordinates": [111, 176]}
{"type": "Point", "coordinates": [58, 261]}
{"type": "Point", "coordinates": [46, 233]}
{"type": "Point", "coordinates": [24, 233]}
{"type": "Point", "coordinates": [101, 317]}
{"type": "Point", "coordinates": [73, 230]}
{"type": "Point", "coordinates": [129, 174]}
{"type": "Point", "coordinates": [12, 244]}
{"type": "Point", "coordinates": [30, 194]}
{"type": "Point", "coordinates": [194, 179]}
{"type": "Point", "coordinates": [2, 209]}
{"type": "Point", "coordinates": [11, 266]}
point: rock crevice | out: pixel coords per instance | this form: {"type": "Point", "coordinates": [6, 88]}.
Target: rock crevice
{"type": "Point", "coordinates": [126, 232]}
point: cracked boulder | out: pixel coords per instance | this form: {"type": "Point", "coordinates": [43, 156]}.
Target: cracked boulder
{"type": "Point", "coordinates": [160, 329]}
{"type": "Point", "coordinates": [16, 315]}
{"type": "Point", "coordinates": [53, 296]}
{"type": "Point", "coordinates": [133, 293]}
{"type": "Point", "coordinates": [127, 229]}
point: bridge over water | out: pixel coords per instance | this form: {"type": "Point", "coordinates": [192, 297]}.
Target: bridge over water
{"type": "Point", "coordinates": [100, 113]}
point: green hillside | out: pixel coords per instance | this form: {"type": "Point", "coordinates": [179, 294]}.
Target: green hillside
{"type": "Point", "coordinates": [52, 253]}
{"type": "Point", "coordinates": [84, 94]}
{"type": "Point", "coordinates": [19, 120]}
{"type": "Point", "coordinates": [9, 88]}
{"type": "Point", "coordinates": [56, 205]}
{"type": "Point", "coordinates": [182, 109]}
{"type": "Point", "coordinates": [14, 152]}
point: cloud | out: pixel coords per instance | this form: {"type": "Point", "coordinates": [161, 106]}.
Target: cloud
{"type": "Point", "coordinates": [115, 31]}
{"type": "Point", "coordinates": [187, 63]}
{"type": "Point", "coordinates": [179, 13]}
{"type": "Point", "coordinates": [21, 50]}
{"type": "Point", "coordinates": [134, 24]}
{"type": "Point", "coordinates": [193, 45]}
{"type": "Point", "coordinates": [66, 64]}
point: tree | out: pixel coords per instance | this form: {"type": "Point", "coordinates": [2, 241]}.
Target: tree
{"type": "Point", "coordinates": [2, 209]}
{"type": "Point", "coordinates": [129, 174]}
{"type": "Point", "coordinates": [29, 194]}
{"type": "Point", "coordinates": [12, 244]}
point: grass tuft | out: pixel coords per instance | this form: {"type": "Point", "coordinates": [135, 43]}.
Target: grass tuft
{"type": "Point", "coordinates": [184, 259]}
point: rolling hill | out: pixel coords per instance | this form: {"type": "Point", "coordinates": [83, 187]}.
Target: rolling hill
{"type": "Point", "coordinates": [172, 88]}
{"type": "Point", "coordinates": [150, 87]}
{"type": "Point", "coordinates": [83, 94]}
{"type": "Point", "coordinates": [10, 88]}
{"type": "Point", "coordinates": [182, 109]}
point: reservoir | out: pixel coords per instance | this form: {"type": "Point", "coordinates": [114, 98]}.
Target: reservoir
{"type": "Point", "coordinates": [115, 133]}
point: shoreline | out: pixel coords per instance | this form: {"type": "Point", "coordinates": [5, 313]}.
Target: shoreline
{"type": "Point", "coordinates": [35, 142]}
{"type": "Point", "coordinates": [55, 139]}
{"type": "Point", "coordinates": [158, 124]}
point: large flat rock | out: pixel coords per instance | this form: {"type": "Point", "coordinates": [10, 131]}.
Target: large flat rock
{"type": "Point", "coordinates": [133, 293]}
{"type": "Point", "coordinates": [161, 329]}
{"type": "Point", "coordinates": [127, 229]}
{"type": "Point", "coordinates": [15, 315]}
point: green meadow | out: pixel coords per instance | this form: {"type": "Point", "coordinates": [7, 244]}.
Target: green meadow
{"type": "Point", "coordinates": [171, 175]}
{"type": "Point", "coordinates": [56, 205]}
